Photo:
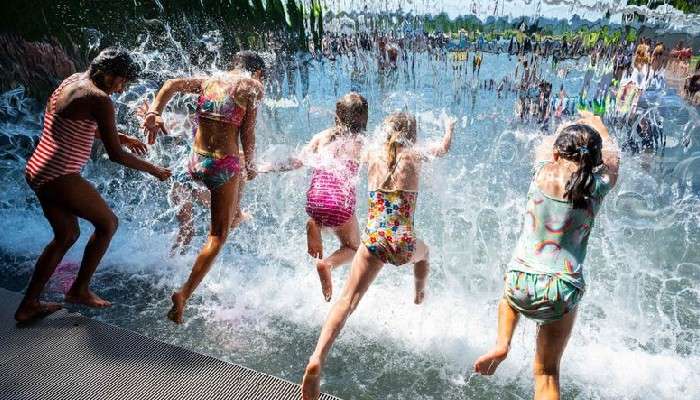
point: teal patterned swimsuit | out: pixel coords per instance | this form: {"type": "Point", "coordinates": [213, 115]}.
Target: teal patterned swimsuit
{"type": "Point", "coordinates": [544, 279]}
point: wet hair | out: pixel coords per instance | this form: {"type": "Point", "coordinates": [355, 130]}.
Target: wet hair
{"type": "Point", "coordinates": [249, 61]}
{"type": "Point", "coordinates": [116, 62]}
{"type": "Point", "coordinates": [401, 129]}
{"type": "Point", "coordinates": [351, 113]}
{"type": "Point", "coordinates": [582, 144]}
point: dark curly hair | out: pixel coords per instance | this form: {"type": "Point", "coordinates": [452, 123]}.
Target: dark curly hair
{"type": "Point", "coordinates": [249, 61]}
{"type": "Point", "coordinates": [114, 61]}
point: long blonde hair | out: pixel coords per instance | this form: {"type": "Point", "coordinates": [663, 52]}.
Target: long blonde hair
{"type": "Point", "coordinates": [401, 130]}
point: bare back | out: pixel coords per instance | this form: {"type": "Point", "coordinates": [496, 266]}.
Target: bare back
{"type": "Point", "coordinates": [405, 176]}
{"type": "Point", "coordinates": [235, 99]}
{"type": "Point", "coordinates": [77, 100]}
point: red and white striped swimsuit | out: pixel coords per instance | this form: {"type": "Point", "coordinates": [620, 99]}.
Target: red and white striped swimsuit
{"type": "Point", "coordinates": [65, 144]}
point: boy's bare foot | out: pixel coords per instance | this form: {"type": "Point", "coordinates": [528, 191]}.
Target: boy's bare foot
{"type": "Point", "coordinates": [178, 308]}
{"type": "Point", "coordinates": [86, 298]}
{"type": "Point", "coordinates": [31, 310]}
{"type": "Point", "coordinates": [487, 364]}
{"type": "Point", "coordinates": [324, 274]}
{"type": "Point", "coordinates": [314, 242]}
{"type": "Point", "coordinates": [311, 384]}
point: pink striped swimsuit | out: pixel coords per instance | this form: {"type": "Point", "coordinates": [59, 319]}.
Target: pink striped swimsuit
{"type": "Point", "coordinates": [64, 147]}
{"type": "Point", "coordinates": [331, 199]}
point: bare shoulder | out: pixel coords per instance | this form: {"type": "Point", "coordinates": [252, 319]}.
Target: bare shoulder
{"type": "Point", "coordinates": [251, 89]}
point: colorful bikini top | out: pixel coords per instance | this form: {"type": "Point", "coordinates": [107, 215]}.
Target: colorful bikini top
{"type": "Point", "coordinates": [217, 102]}
{"type": "Point", "coordinates": [554, 236]}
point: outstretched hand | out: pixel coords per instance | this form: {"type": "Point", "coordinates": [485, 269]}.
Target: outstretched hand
{"type": "Point", "coordinates": [450, 122]}
{"type": "Point", "coordinates": [152, 122]}
{"type": "Point", "coordinates": [593, 121]}
{"type": "Point", "coordinates": [134, 145]}
{"type": "Point", "coordinates": [162, 173]}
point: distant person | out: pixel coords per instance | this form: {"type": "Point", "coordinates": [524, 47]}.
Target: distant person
{"type": "Point", "coordinates": [79, 111]}
{"type": "Point", "coordinates": [226, 117]}
{"type": "Point", "coordinates": [544, 280]}
{"type": "Point", "coordinates": [389, 237]}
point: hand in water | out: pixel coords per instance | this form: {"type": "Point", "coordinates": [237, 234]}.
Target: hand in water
{"type": "Point", "coordinates": [162, 173]}
{"type": "Point", "coordinates": [251, 173]}
{"type": "Point", "coordinates": [134, 145]}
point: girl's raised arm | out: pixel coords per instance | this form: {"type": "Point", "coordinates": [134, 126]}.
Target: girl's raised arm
{"type": "Point", "coordinates": [154, 122]}
{"type": "Point", "coordinates": [443, 146]}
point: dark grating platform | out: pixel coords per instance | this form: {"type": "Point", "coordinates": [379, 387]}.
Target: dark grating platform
{"type": "Point", "coordinates": [68, 356]}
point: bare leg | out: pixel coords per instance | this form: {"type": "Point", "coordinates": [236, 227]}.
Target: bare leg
{"type": "Point", "coordinates": [314, 241]}
{"type": "Point", "coordinates": [421, 268]}
{"type": "Point", "coordinates": [365, 268]}
{"type": "Point", "coordinates": [66, 231]}
{"type": "Point", "coordinates": [185, 232]}
{"type": "Point", "coordinates": [239, 215]}
{"type": "Point", "coordinates": [78, 197]}
{"type": "Point", "coordinates": [507, 320]}
{"type": "Point", "coordinates": [224, 200]}
{"type": "Point", "coordinates": [551, 342]}
{"type": "Point", "coordinates": [349, 236]}
{"type": "Point", "coordinates": [182, 198]}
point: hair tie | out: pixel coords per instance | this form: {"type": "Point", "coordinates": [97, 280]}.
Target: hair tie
{"type": "Point", "coordinates": [583, 150]}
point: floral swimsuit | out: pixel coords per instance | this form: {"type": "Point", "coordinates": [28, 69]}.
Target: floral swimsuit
{"type": "Point", "coordinates": [389, 234]}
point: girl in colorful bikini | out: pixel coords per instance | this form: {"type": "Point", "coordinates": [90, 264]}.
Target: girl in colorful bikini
{"type": "Point", "coordinates": [330, 201]}
{"type": "Point", "coordinates": [226, 115]}
{"type": "Point", "coordinates": [544, 280]}
{"type": "Point", "coordinates": [389, 237]}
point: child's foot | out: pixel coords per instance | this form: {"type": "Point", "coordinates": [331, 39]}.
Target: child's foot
{"type": "Point", "coordinates": [487, 364]}
{"type": "Point", "coordinates": [178, 308]}
{"type": "Point", "coordinates": [86, 298]}
{"type": "Point", "coordinates": [311, 384]}
{"type": "Point", "coordinates": [314, 242]}
{"type": "Point", "coordinates": [324, 274]}
{"type": "Point", "coordinates": [33, 310]}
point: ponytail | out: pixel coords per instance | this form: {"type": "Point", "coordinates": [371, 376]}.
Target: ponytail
{"type": "Point", "coordinates": [402, 128]}
{"type": "Point", "coordinates": [582, 144]}
{"type": "Point", "coordinates": [392, 145]}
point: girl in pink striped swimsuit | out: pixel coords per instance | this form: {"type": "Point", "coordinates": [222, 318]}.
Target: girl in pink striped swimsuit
{"type": "Point", "coordinates": [330, 201]}
{"type": "Point", "coordinates": [79, 111]}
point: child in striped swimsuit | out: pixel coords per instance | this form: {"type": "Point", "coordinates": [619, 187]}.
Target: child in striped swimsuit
{"type": "Point", "coordinates": [334, 155]}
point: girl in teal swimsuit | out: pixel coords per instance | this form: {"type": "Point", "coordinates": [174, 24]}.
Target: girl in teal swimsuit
{"type": "Point", "coordinates": [544, 280]}
{"type": "Point", "coordinates": [389, 237]}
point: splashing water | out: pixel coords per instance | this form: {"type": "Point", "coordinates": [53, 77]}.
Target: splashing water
{"type": "Point", "coordinates": [638, 330]}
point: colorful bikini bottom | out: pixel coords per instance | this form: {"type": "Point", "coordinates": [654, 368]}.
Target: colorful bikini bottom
{"type": "Point", "coordinates": [541, 297]}
{"type": "Point", "coordinates": [212, 170]}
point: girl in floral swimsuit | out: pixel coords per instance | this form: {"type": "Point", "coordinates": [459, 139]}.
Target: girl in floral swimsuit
{"type": "Point", "coordinates": [544, 280]}
{"type": "Point", "coordinates": [389, 237]}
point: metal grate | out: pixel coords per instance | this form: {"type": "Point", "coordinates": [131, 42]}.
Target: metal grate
{"type": "Point", "coordinates": [68, 356]}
